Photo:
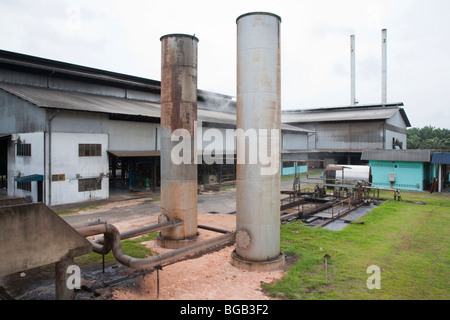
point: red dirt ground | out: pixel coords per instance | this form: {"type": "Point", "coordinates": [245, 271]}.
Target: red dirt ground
{"type": "Point", "coordinates": [209, 277]}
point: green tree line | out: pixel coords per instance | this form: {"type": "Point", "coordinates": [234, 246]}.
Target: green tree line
{"type": "Point", "coordinates": [428, 138]}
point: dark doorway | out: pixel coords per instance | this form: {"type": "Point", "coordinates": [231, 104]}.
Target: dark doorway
{"type": "Point", "coordinates": [4, 163]}
{"type": "Point", "coordinates": [129, 171]}
{"type": "Point", "coordinates": [40, 197]}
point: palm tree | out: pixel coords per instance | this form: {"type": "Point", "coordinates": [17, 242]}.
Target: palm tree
{"type": "Point", "coordinates": [428, 137]}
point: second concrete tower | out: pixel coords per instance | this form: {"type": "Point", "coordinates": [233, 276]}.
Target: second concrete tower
{"type": "Point", "coordinates": [258, 110]}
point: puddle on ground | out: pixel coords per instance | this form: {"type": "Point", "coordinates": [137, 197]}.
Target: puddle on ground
{"type": "Point", "coordinates": [344, 221]}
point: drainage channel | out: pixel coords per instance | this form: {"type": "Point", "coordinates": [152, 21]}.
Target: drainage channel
{"type": "Point", "coordinates": [330, 213]}
{"type": "Point", "coordinates": [345, 220]}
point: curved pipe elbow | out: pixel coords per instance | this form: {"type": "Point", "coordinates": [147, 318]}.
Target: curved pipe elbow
{"type": "Point", "coordinates": [112, 241]}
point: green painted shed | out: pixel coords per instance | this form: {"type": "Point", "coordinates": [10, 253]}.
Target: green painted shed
{"type": "Point", "coordinates": [401, 169]}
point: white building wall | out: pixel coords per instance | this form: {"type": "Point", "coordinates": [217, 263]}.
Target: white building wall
{"type": "Point", "coordinates": [65, 160]}
{"type": "Point", "coordinates": [397, 120]}
{"type": "Point", "coordinates": [223, 141]}
{"type": "Point", "coordinates": [389, 135]}
{"type": "Point", "coordinates": [215, 139]}
{"type": "Point", "coordinates": [123, 135]}
{"type": "Point", "coordinates": [395, 128]}
{"type": "Point", "coordinates": [78, 121]}
{"type": "Point", "coordinates": [132, 136]}
{"type": "Point", "coordinates": [292, 141]}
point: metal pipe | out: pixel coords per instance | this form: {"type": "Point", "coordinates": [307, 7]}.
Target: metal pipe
{"type": "Point", "coordinates": [384, 66]}
{"type": "Point", "coordinates": [112, 238]}
{"type": "Point", "coordinates": [91, 230]}
{"type": "Point", "coordinates": [49, 127]}
{"type": "Point", "coordinates": [258, 108]}
{"type": "Point", "coordinates": [156, 227]}
{"type": "Point", "coordinates": [83, 225]}
{"type": "Point", "coordinates": [178, 120]}
{"type": "Point", "coordinates": [201, 226]}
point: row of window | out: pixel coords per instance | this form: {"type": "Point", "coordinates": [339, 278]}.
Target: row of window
{"type": "Point", "coordinates": [401, 166]}
{"type": "Point", "coordinates": [83, 184]}
{"type": "Point", "coordinates": [84, 150]}
{"type": "Point", "coordinates": [397, 185]}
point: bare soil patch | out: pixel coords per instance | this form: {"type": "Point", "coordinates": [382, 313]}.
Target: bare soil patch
{"type": "Point", "coordinates": [209, 277]}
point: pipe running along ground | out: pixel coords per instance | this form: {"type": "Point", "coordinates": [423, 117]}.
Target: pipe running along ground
{"type": "Point", "coordinates": [112, 238]}
{"type": "Point", "coordinates": [91, 230]}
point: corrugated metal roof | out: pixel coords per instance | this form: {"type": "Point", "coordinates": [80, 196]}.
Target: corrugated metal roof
{"type": "Point", "coordinates": [417, 155]}
{"type": "Point", "coordinates": [339, 115]}
{"type": "Point", "coordinates": [288, 127]}
{"type": "Point", "coordinates": [47, 66]}
{"type": "Point", "coordinates": [78, 101]}
{"type": "Point", "coordinates": [441, 158]}
{"type": "Point", "coordinates": [69, 100]}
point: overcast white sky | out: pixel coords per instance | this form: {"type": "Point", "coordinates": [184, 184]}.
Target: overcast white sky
{"type": "Point", "coordinates": [123, 36]}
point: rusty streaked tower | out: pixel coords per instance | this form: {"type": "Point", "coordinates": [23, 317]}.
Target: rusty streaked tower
{"type": "Point", "coordinates": [178, 111]}
{"type": "Point", "coordinates": [258, 108]}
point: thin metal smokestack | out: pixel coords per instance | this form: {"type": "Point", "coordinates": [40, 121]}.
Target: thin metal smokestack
{"type": "Point", "coordinates": [384, 66]}
{"type": "Point", "coordinates": [259, 110]}
{"type": "Point", "coordinates": [178, 111]}
{"type": "Point", "coordinates": [352, 70]}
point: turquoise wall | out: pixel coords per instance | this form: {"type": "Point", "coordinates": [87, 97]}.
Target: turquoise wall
{"type": "Point", "coordinates": [288, 171]}
{"type": "Point", "coordinates": [408, 175]}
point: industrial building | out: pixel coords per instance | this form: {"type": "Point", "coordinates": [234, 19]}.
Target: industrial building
{"type": "Point", "coordinates": [339, 135]}
{"type": "Point", "coordinates": [70, 133]}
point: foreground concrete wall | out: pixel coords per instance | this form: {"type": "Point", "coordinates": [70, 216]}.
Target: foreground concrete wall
{"type": "Point", "coordinates": [32, 235]}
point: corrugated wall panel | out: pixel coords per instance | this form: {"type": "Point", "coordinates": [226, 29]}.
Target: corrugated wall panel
{"type": "Point", "coordinates": [356, 136]}
{"type": "Point", "coordinates": [22, 78]}
{"type": "Point", "coordinates": [292, 141]}
{"type": "Point", "coordinates": [17, 115]}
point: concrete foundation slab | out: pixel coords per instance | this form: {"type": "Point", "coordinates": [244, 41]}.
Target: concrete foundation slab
{"type": "Point", "coordinates": [260, 266]}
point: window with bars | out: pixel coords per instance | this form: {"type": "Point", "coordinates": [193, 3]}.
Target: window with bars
{"type": "Point", "coordinates": [89, 184]}
{"type": "Point", "coordinates": [24, 185]}
{"type": "Point", "coordinates": [89, 150]}
{"type": "Point", "coordinates": [24, 149]}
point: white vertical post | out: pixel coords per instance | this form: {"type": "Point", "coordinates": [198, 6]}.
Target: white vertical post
{"type": "Point", "coordinates": [352, 71]}
{"type": "Point", "coordinates": [384, 66]}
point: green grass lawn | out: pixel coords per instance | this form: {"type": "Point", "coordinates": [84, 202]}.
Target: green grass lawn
{"type": "Point", "coordinates": [408, 241]}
